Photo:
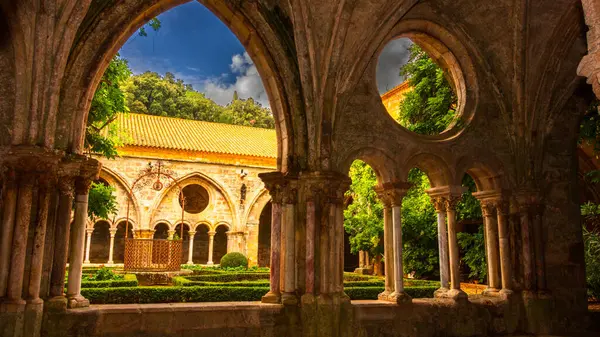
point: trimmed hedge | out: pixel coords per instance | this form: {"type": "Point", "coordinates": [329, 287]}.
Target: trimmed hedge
{"type": "Point", "coordinates": [172, 294]}
{"type": "Point", "coordinates": [226, 277]}
{"type": "Point", "coordinates": [373, 283]}
{"type": "Point", "coordinates": [234, 259]}
{"type": "Point", "coordinates": [370, 293]}
{"type": "Point", "coordinates": [216, 293]}
{"type": "Point", "coordinates": [259, 283]}
{"type": "Point", "coordinates": [129, 280]}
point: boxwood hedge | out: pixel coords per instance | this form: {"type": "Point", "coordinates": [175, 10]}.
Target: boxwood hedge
{"type": "Point", "coordinates": [129, 280]}
{"type": "Point", "coordinates": [227, 277]}
{"type": "Point", "coordinates": [172, 294]}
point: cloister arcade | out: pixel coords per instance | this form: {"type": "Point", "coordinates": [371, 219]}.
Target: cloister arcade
{"type": "Point", "coordinates": [514, 67]}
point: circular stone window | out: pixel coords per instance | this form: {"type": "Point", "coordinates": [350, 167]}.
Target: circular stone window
{"type": "Point", "coordinates": [421, 85]}
{"type": "Point", "coordinates": [196, 198]}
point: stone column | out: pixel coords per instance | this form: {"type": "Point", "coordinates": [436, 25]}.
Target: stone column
{"type": "Point", "coordinates": [439, 204]}
{"type": "Point", "coordinates": [539, 247]}
{"type": "Point", "coordinates": [66, 187]}
{"type": "Point", "coordinates": [395, 192]}
{"type": "Point", "coordinates": [503, 237]}
{"type": "Point", "coordinates": [455, 292]}
{"type": "Point", "coordinates": [288, 243]}
{"type": "Point", "coordinates": [527, 246]}
{"type": "Point", "coordinates": [19, 241]}
{"type": "Point", "coordinates": [388, 245]}
{"type": "Point", "coordinates": [46, 184]}
{"type": "Point", "coordinates": [88, 243]}
{"type": "Point", "coordinates": [191, 247]}
{"type": "Point", "coordinates": [90, 170]}
{"type": "Point", "coordinates": [211, 243]}
{"type": "Point", "coordinates": [9, 202]}
{"type": "Point", "coordinates": [491, 238]}
{"type": "Point", "coordinates": [274, 183]}
{"type": "Point", "coordinates": [113, 232]}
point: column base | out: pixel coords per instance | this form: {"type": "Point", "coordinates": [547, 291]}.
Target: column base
{"type": "Point", "coordinates": [457, 295]}
{"type": "Point", "coordinates": [506, 293]}
{"type": "Point", "coordinates": [384, 296]}
{"type": "Point", "coordinates": [209, 263]}
{"type": "Point", "coordinates": [86, 262]}
{"type": "Point", "coordinates": [56, 303]}
{"type": "Point", "coordinates": [399, 297]}
{"type": "Point", "coordinates": [190, 263]}
{"type": "Point", "coordinates": [110, 262]}
{"type": "Point", "coordinates": [77, 301]}
{"type": "Point", "coordinates": [271, 298]}
{"type": "Point", "coordinates": [289, 299]}
{"type": "Point", "coordinates": [491, 292]}
{"type": "Point", "coordinates": [441, 292]}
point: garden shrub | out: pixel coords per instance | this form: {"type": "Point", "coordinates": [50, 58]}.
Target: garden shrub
{"type": "Point", "coordinates": [259, 283]}
{"type": "Point", "coordinates": [370, 293]}
{"type": "Point", "coordinates": [357, 277]}
{"type": "Point", "coordinates": [226, 277]}
{"type": "Point", "coordinates": [592, 262]}
{"type": "Point", "coordinates": [102, 274]}
{"type": "Point", "coordinates": [172, 294]}
{"type": "Point", "coordinates": [373, 283]}
{"type": "Point", "coordinates": [232, 260]}
{"type": "Point", "coordinates": [109, 284]}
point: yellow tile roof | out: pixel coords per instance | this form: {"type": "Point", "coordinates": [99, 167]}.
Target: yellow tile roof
{"type": "Point", "coordinates": [190, 135]}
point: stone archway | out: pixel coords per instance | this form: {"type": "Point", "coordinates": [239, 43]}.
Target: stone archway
{"type": "Point", "coordinates": [119, 248]}
{"type": "Point", "coordinates": [161, 231]}
{"type": "Point", "coordinates": [264, 237]}
{"type": "Point", "coordinates": [100, 241]}
{"type": "Point", "coordinates": [201, 246]}
{"type": "Point", "coordinates": [220, 243]}
{"type": "Point", "coordinates": [186, 241]}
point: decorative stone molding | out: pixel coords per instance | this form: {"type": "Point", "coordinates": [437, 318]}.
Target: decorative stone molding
{"type": "Point", "coordinates": [590, 64]}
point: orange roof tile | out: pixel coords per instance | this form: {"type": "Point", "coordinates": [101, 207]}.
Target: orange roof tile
{"type": "Point", "coordinates": [190, 135]}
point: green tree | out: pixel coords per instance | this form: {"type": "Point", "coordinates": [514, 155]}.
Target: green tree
{"type": "Point", "coordinates": [247, 112]}
{"type": "Point", "coordinates": [363, 219]}
{"type": "Point", "coordinates": [101, 201]}
{"type": "Point", "coordinates": [101, 134]}
{"type": "Point", "coordinates": [419, 229]}
{"type": "Point", "coordinates": [428, 108]}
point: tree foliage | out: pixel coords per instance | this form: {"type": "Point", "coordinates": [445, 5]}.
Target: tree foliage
{"type": "Point", "coordinates": [428, 108]}
{"type": "Point", "coordinates": [102, 202]}
{"type": "Point", "coordinates": [101, 134]}
{"type": "Point", "coordinates": [473, 246]}
{"type": "Point", "coordinates": [419, 229]}
{"type": "Point", "coordinates": [151, 93]}
{"type": "Point", "coordinates": [363, 219]}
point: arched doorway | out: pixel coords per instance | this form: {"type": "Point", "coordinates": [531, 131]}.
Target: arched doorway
{"type": "Point", "coordinates": [119, 248]}
{"type": "Point", "coordinates": [161, 231]}
{"type": "Point", "coordinates": [100, 242]}
{"type": "Point", "coordinates": [264, 237]}
{"type": "Point", "coordinates": [220, 243]}
{"type": "Point", "coordinates": [185, 250]}
{"type": "Point", "coordinates": [200, 252]}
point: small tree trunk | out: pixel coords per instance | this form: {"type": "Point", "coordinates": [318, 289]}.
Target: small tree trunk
{"type": "Point", "coordinates": [378, 266]}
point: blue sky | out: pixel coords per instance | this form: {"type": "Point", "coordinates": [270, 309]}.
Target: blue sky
{"type": "Point", "coordinates": [198, 48]}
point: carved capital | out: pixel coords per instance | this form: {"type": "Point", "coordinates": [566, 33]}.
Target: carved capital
{"type": "Point", "coordinates": [487, 208]}
{"type": "Point", "coordinates": [325, 186]}
{"type": "Point", "coordinates": [274, 183]}
{"type": "Point", "coordinates": [451, 202]}
{"type": "Point", "coordinates": [393, 193]}
{"type": "Point", "coordinates": [439, 203]}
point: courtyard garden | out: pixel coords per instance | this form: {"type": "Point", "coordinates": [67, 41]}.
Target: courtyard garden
{"type": "Point", "coordinates": [215, 284]}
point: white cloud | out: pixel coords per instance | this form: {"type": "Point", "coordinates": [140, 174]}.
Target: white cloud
{"type": "Point", "coordinates": [394, 55]}
{"type": "Point", "coordinates": [247, 83]}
